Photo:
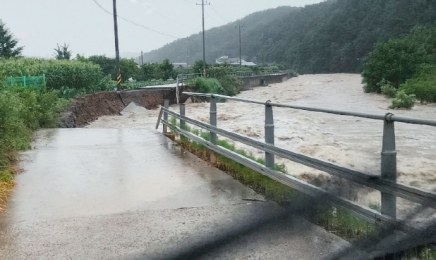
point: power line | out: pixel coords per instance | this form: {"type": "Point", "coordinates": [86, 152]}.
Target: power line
{"type": "Point", "coordinates": [178, 23]}
{"type": "Point", "coordinates": [210, 16]}
{"type": "Point", "coordinates": [134, 23]}
{"type": "Point", "coordinates": [213, 9]}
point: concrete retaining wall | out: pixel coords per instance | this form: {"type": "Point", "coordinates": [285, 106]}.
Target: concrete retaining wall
{"type": "Point", "coordinates": [256, 81]}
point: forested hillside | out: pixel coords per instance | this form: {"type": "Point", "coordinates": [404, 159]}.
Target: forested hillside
{"type": "Point", "coordinates": [332, 36]}
{"type": "Point", "coordinates": [220, 41]}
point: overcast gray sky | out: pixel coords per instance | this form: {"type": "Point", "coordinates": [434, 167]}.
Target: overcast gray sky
{"type": "Point", "coordinates": [41, 24]}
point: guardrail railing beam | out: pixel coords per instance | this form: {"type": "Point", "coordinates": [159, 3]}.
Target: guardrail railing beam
{"type": "Point", "coordinates": [394, 118]}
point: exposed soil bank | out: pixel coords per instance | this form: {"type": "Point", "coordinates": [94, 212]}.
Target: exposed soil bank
{"type": "Point", "coordinates": [89, 108]}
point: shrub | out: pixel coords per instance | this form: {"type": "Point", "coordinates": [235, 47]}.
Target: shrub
{"type": "Point", "coordinates": [14, 134]}
{"type": "Point", "coordinates": [387, 89]}
{"type": "Point", "coordinates": [222, 72]}
{"type": "Point", "coordinates": [206, 85]}
{"type": "Point", "coordinates": [23, 110]}
{"type": "Point", "coordinates": [402, 100]}
{"type": "Point", "coordinates": [231, 84]}
{"type": "Point", "coordinates": [423, 84]}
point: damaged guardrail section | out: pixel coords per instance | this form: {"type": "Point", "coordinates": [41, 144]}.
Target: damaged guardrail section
{"type": "Point", "coordinates": [386, 183]}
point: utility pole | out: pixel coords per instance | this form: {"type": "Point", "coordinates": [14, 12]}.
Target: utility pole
{"type": "Point", "coordinates": [204, 41]}
{"type": "Point", "coordinates": [187, 54]}
{"type": "Point", "coordinates": [240, 43]}
{"type": "Point", "coordinates": [117, 50]}
{"type": "Point", "coordinates": [142, 58]}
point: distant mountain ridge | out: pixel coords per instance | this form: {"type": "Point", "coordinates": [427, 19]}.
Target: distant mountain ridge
{"type": "Point", "coordinates": [332, 36]}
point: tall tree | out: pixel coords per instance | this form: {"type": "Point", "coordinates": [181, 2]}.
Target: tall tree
{"type": "Point", "coordinates": [167, 69]}
{"type": "Point", "coordinates": [8, 44]}
{"type": "Point", "coordinates": [62, 52]}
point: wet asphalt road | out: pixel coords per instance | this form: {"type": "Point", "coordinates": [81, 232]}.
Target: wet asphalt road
{"type": "Point", "coordinates": [132, 194]}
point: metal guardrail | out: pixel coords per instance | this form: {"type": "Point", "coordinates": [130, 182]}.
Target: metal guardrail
{"type": "Point", "coordinates": [389, 117]}
{"type": "Point", "coordinates": [242, 74]}
{"type": "Point", "coordinates": [385, 183]}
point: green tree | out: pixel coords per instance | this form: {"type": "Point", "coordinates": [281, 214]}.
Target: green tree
{"type": "Point", "coordinates": [146, 72]}
{"type": "Point", "coordinates": [107, 64]}
{"type": "Point", "coordinates": [199, 66]}
{"type": "Point", "coordinates": [399, 59]}
{"type": "Point", "coordinates": [8, 44]}
{"type": "Point", "coordinates": [167, 69]}
{"type": "Point", "coordinates": [81, 58]}
{"type": "Point", "coordinates": [128, 67]}
{"type": "Point", "coordinates": [62, 52]}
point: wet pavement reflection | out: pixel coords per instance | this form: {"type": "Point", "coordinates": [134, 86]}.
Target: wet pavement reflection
{"type": "Point", "coordinates": [85, 172]}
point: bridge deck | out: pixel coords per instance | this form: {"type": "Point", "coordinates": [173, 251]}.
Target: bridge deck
{"type": "Point", "coordinates": [124, 193]}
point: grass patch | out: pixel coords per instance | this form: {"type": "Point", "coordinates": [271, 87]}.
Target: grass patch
{"type": "Point", "coordinates": [340, 222]}
{"type": "Point", "coordinates": [6, 185]}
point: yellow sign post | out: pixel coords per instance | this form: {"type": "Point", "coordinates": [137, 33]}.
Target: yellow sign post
{"type": "Point", "coordinates": [119, 81]}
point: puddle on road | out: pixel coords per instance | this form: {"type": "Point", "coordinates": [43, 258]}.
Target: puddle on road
{"type": "Point", "coordinates": [91, 172]}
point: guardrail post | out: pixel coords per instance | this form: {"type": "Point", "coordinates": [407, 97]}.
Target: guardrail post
{"type": "Point", "coordinates": [165, 115]}
{"type": "Point", "coordinates": [389, 166]}
{"type": "Point", "coordinates": [213, 122]}
{"type": "Point", "coordinates": [213, 118]}
{"type": "Point", "coordinates": [269, 134]}
{"type": "Point", "coordinates": [182, 122]}
{"type": "Point", "coordinates": [182, 113]}
{"type": "Point", "coordinates": [177, 90]}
